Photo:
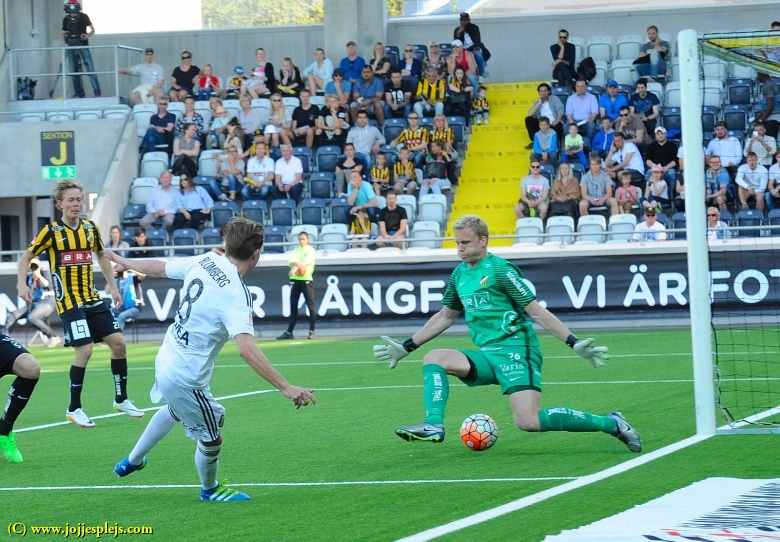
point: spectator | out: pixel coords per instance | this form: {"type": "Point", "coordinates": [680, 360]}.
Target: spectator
{"type": "Point", "coordinates": [752, 179]}
{"type": "Point", "coordinates": [150, 87]}
{"type": "Point", "coordinates": [290, 82]}
{"type": "Point", "coordinates": [380, 64]}
{"type": "Point", "coordinates": [189, 117]}
{"type": "Point", "coordinates": [430, 95]}
{"type": "Point", "coordinates": [582, 108]}
{"type": "Point", "coordinates": [301, 265]}
{"type": "Point", "coordinates": [409, 66]}
{"type": "Point", "coordinates": [319, 73]}
{"type": "Point", "coordinates": [141, 244]}
{"type": "Point", "coordinates": [261, 80]}
{"type": "Point", "coordinates": [115, 241]}
{"type": "Point", "coordinates": [233, 90]}
{"type": "Point", "coordinates": [250, 119]}
{"type": "Point", "coordinates": [624, 155]}
{"type": "Point", "coordinates": [288, 176]}
{"type": "Point", "coordinates": [259, 175]}
{"type": "Point", "coordinates": [436, 171]}
{"type": "Point", "coordinates": [652, 55]}
{"type": "Point", "coordinates": [762, 144]}
{"type": "Point", "coordinates": [333, 122]}
{"type": "Point", "coordinates": [393, 223]}
{"type": "Point", "coordinates": [186, 149]}
{"type": "Point", "coordinates": [160, 131]}
{"type": "Point", "coordinates": [380, 174]}
{"type": "Point", "coordinates": [230, 169]}
{"type": "Point", "coordinates": [679, 200]}
{"type": "Point", "coordinates": [574, 146]}
{"type": "Point", "coordinates": [366, 138]}
{"type": "Point", "coordinates": [563, 64]}
{"type": "Point", "coordinates": [217, 132]}
{"type": "Point", "coordinates": [481, 107]}
{"type": "Point", "coordinates": [649, 231]}
{"type": "Point", "coordinates": [207, 84]}
{"type": "Point", "coordinates": [727, 147]}
{"type": "Point", "coordinates": [368, 95]}
{"type": "Point", "coordinates": [716, 228]}
{"type": "Point", "coordinates": [547, 105]}
{"type": "Point", "coordinates": [443, 132]}
{"type": "Point", "coordinates": [77, 28]}
{"type": "Point", "coordinates": [469, 34]}
{"type": "Point", "coordinates": [627, 195]}
{"type": "Point", "coordinates": [565, 193]}
{"type": "Point", "coordinates": [663, 153]}
{"type": "Point", "coordinates": [236, 137]}
{"type": "Point", "coordinates": [465, 59]}
{"type": "Point", "coordinates": [398, 97]}
{"type": "Point", "coordinates": [611, 103]}
{"type": "Point", "coordinates": [718, 183]}
{"type": "Point", "coordinates": [360, 195]}
{"type": "Point", "coordinates": [127, 282]}
{"type": "Point", "coordinates": [656, 190]}
{"type": "Point", "coordinates": [459, 95]}
{"type": "Point", "coordinates": [770, 114]}
{"type": "Point", "coordinates": [602, 141]}
{"type": "Point", "coordinates": [596, 189]}
{"type": "Point", "coordinates": [545, 144]}
{"type": "Point", "coordinates": [339, 87]}
{"type": "Point", "coordinates": [772, 197]}
{"type": "Point", "coordinates": [352, 64]}
{"type": "Point", "coordinates": [403, 173]}
{"type": "Point", "coordinates": [279, 122]}
{"type": "Point", "coordinates": [304, 121]}
{"type": "Point", "coordinates": [344, 168]}
{"type": "Point", "coordinates": [161, 203]}
{"type": "Point", "coordinates": [415, 138]}
{"type": "Point", "coordinates": [435, 61]}
{"type": "Point", "coordinates": [193, 205]}
{"type": "Point", "coordinates": [645, 105]}
{"type": "Point", "coordinates": [42, 307]}
{"type": "Point", "coordinates": [534, 193]}
{"type": "Point", "coordinates": [633, 129]}
{"type": "Point", "coordinates": [258, 138]}
{"type": "Point", "coordinates": [360, 229]}
{"type": "Point", "coordinates": [183, 79]}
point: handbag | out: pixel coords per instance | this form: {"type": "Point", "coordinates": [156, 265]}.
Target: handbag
{"type": "Point", "coordinates": [459, 97]}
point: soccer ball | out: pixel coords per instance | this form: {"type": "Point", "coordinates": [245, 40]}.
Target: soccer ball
{"type": "Point", "coordinates": [479, 432]}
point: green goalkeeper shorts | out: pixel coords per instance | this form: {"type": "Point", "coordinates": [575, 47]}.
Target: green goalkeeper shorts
{"type": "Point", "coordinates": [513, 367]}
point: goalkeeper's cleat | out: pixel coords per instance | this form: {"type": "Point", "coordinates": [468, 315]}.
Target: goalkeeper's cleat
{"type": "Point", "coordinates": [10, 450]}
{"type": "Point", "coordinates": [422, 432]}
{"type": "Point", "coordinates": [79, 417]}
{"type": "Point", "coordinates": [124, 467]}
{"type": "Point", "coordinates": [128, 408]}
{"type": "Point", "coordinates": [626, 434]}
{"type": "Point", "coordinates": [222, 493]}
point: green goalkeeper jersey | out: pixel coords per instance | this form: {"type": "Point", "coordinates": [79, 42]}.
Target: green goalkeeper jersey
{"type": "Point", "coordinates": [494, 296]}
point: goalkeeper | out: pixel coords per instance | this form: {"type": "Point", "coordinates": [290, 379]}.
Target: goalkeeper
{"type": "Point", "coordinates": [496, 301]}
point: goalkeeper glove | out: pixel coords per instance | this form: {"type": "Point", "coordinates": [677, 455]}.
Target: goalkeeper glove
{"type": "Point", "coordinates": [393, 350]}
{"type": "Point", "coordinates": [596, 355]}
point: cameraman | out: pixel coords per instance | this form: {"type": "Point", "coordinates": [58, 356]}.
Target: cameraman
{"type": "Point", "coordinates": [76, 31]}
{"type": "Point", "coordinates": [39, 281]}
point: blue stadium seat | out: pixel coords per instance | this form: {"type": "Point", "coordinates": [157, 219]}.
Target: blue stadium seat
{"type": "Point", "coordinates": [671, 118]}
{"type": "Point", "coordinates": [773, 220]}
{"type": "Point", "coordinates": [306, 157]}
{"type": "Point", "coordinates": [321, 185]}
{"type": "Point", "coordinates": [211, 236]}
{"type": "Point", "coordinates": [184, 236]}
{"type": "Point", "coordinates": [392, 128]}
{"type": "Point", "coordinates": [223, 211]}
{"type": "Point", "coordinates": [739, 91]}
{"type": "Point", "coordinates": [204, 181]}
{"type": "Point", "coordinates": [726, 217]}
{"type": "Point", "coordinates": [157, 238]}
{"type": "Point", "coordinates": [312, 211]}
{"type": "Point", "coordinates": [736, 116]}
{"type": "Point", "coordinates": [391, 152]}
{"type": "Point", "coordinates": [275, 234]}
{"type": "Point", "coordinates": [283, 212]}
{"type": "Point", "coordinates": [132, 214]}
{"type": "Point", "coordinates": [255, 209]}
{"type": "Point", "coordinates": [678, 221]}
{"type": "Point", "coordinates": [750, 218]}
{"type": "Point", "coordinates": [458, 125]}
{"type": "Point", "coordinates": [327, 158]}
{"type": "Point", "coordinates": [709, 116]}
{"type": "Point", "coordinates": [420, 52]}
{"type": "Point", "coordinates": [563, 93]}
{"type": "Point", "coordinates": [128, 235]}
{"type": "Point", "coordinates": [339, 211]}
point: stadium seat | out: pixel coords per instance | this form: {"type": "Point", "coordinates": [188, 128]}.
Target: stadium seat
{"type": "Point", "coordinates": [142, 113]}
{"type": "Point", "coordinates": [579, 48]}
{"type": "Point", "coordinates": [657, 89]}
{"type": "Point", "coordinates": [678, 221]}
{"type": "Point", "coordinates": [310, 229]}
{"type": "Point", "coordinates": [709, 116]}
{"type": "Point", "coordinates": [339, 211]}
{"type": "Point", "coordinates": [321, 185]}
{"type": "Point", "coordinates": [306, 157]}
{"type": "Point", "coordinates": [59, 116]}
{"type": "Point", "coordinates": [334, 237]}
{"type": "Point", "coordinates": [621, 228]}
{"type": "Point", "coordinates": [327, 158]}
{"type": "Point", "coordinates": [528, 231]}
{"type": "Point", "coordinates": [312, 211]}
{"type": "Point", "coordinates": [204, 110]}
{"type": "Point", "coordinates": [319, 101]}
{"type": "Point", "coordinates": [602, 74]}
{"type": "Point", "coordinates": [726, 217]}
{"type": "Point", "coordinates": [211, 236]}
{"type": "Point", "coordinates": [32, 116]}
{"type": "Point", "coordinates": [671, 118]}
{"type": "Point", "coordinates": [742, 72]}
{"type": "Point", "coordinates": [90, 114]}
{"type": "Point", "coordinates": [458, 125]}
{"type": "Point", "coordinates": [563, 94]}
{"type": "Point", "coordinates": [275, 234]}
{"type": "Point", "coordinates": [596, 90]}
{"type": "Point", "coordinates": [661, 217]}
{"type": "Point", "coordinates": [420, 52]}
{"type": "Point", "coordinates": [750, 218]}
{"type": "Point", "coordinates": [223, 211]}
{"type": "Point", "coordinates": [121, 113]}
{"type": "Point", "coordinates": [773, 220]}
{"type": "Point", "coordinates": [203, 181]}
{"type": "Point", "coordinates": [184, 236]}
{"type": "Point", "coordinates": [739, 91]}
{"type": "Point", "coordinates": [672, 94]}
{"type": "Point", "coordinates": [128, 235]}
{"type": "Point", "coordinates": [444, 48]}
{"type": "Point", "coordinates": [560, 230]}
{"type": "Point", "coordinates": [233, 108]}
{"type": "Point", "coordinates": [394, 54]}
{"type": "Point", "coordinates": [291, 102]}
{"type": "Point", "coordinates": [433, 208]}
{"type": "Point", "coordinates": [548, 170]}
{"type": "Point", "coordinates": [736, 116]}
{"type": "Point", "coordinates": [590, 229]}
{"type": "Point", "coordinates": [424, 234]}
{"type": "Point", "coordinates": [177, 108]}
{"type": "Point", "coordinates": [255, 209]}
{"type": "Point", "coordinates": [577, 169]}
{"type": "Point", "coordinates": [600, 48]}
{"type": "Point", "coordinates": [712, 92]}
{"type": "Point", "coordinates": [739, 134]}
{"type": "Point", "coordinates": [392, 128]}
{"type": "Point", "coordinates": [132, 214]}
{"type": "Point", "coordinates": [141, 188]}
{"type": "Point", "coordinates": [391, 152]}
{"type": "Point", "coordinates": [410, 204]}
{"type": "Point", "coordinates": [153, 164]}
{"type": "Point", "coordinates": [283, 212]}
{"type": "Point", "coordinates": [714, 68]}
{"type": "Point", "coordinates": [427, 122]}
{"type": "Point", "coordinates": [207, 162]}
{"type": "Point", "coordinates": [627, 46]}
{"type": "Point", "coordinates": [623, 72]}
{"type": "Point", "coordinates": [157, 238]}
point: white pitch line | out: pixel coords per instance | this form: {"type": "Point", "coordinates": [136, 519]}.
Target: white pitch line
{"type": "Point", "coordinates": [299, 484]}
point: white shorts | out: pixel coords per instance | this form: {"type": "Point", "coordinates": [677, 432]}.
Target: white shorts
{"type": "Point", "coordinates": [197, 409]}
{"type": "Point", "coordinates": [253, 82]}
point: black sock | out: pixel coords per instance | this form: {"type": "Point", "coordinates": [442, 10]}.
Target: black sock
{"type": "Point", "coordinates": [76, 385]}
{"type": "Point", "coordinates": [119, 370]}
{"type": "Point", "coordinates": [18, 395]}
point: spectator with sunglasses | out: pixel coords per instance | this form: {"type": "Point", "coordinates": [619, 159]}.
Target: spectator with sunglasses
{"type": "Point", "coordinates": [563, 64]}
{"type": "Point", "coordinates": [409, 66]}
{"type": "Point", "coordinates": [183, 78]}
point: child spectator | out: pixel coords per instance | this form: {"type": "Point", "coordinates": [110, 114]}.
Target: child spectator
{"type": "Point", "coordinates": [627, 195]}
{"type": "Point", "coordinates": [435, 177]}
{"type": "Point", "coordinates": [574, 145]}
{"type": "Point", "coordinates": [481, 107]}
{"type": "Point", "coordinates": [545, 143]}
{"type": "Point", "coordinates": [403, 173]}
{"type": "Point", "coordinates": [360, 228]}
{"type": "Point", "coordinates": [218, 128]}
{"type": "Point", "coordinates": [208, 84]}
{"type": "Point", "coordinates": [656, 191]}
{"type": "Point", "coordinates": [234, 85]}
{"type": "Point", "coordinates": [602, 141]}
{"type": "Point", "coordinates": [380, 174]}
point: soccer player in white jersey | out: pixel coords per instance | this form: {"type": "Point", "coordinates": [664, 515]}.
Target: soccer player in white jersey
{"type": "Point", "coordinates": [215, 307]}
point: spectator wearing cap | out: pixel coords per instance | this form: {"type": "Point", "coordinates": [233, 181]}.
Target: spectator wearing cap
{"type": "Point", "coordinates": [319, 73]}
{"type": "Point", "coordinates": [183, 78]}
{"type": "Point", "coordinates": [564, 59]}
{"type": "Point", "coordinates": [152, 77]}
{"type": "Point", "coordinates": [662, 153]}
{"type": "Point", "coordinates": [233, 89]}
{"type": "Point", "coordinates": [409, 66]}
{"type": "Point", "coordinates": [727, 147]}
{"type": "Point", "coordinates": [339, 87]}
{"type": "Point", "coordinates": [468, 33]}
{"type": "Point", "coordinates": [649, 231]}
{"type": "Point", "coordinates": [250, 119]}
{"type": "Point", "coordinates": [460, 57]}
{"type": "Point", "coordinates": [435, 61]}
{"type": "Point", "coordinates": [611, 102]}
{"type": "Point", "coordinates": [656, 190]}
{"type": "Point", "coordinates": [352, 64]}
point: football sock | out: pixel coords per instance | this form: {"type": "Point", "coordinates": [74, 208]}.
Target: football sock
{"type": "Point", "coordinates": [119, 370]}
{"type": "Point", "coordinates": [160, 425]}
{"type": "Point", "coordinates": [207, 462]}
{"type": "Point", "coordinates": [18, 395]}
{"type": "Point", "coordinates": [576, 421]}
{"type": "Point", "coordinates": [436, 390]}
{"type": "Point", "coordinates": [76, 385]}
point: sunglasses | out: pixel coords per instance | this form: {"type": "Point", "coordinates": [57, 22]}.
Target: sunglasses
{"type": "Point", "coordinates": [535, 167]}
{"type": "Point", "coordinates": [276, 100]}
{"type": "Point", "coordinates": [563, 38]}
{"type": "Point", "coordinates": [186, 57]}
{"type": "Point", "coordinates": [716, 216]}
{"type": "Point", "coordinates": [408, 50]}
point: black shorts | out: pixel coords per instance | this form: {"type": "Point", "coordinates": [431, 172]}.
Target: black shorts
{"type": "Point", "coordinates": [9, 351]}
{"type": "Point", "coordinates": [89, 324]}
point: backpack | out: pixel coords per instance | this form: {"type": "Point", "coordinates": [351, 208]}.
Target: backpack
{"type": "Point", "coordinates": [25, 88]}
{"type": "Point", "coordinates": [587, 69]}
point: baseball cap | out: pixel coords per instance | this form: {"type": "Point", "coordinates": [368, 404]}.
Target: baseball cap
{"type": "Point", "coordinates": [239, 70]}
{"type": "Point", "coordinates": [464, 15]}
{"type": "Point", "coordinates": [338, 71]}
{"type": "Point", "coordinates": [457, 43]}
{"type": "Point", "coordinates": [258, 132]}
{"type": "Point", "coordinates": [149, 50]}
{"type": "Point", "coordinates": [612, 83]}
{"type": "Point", "coordinates": [351, 43]}
{"type": "Point", "coordinates": [658, 168]}
{"type": "Point", "coordinates": [649, 211]}
{"type": "Point", "coordinates": [660, 129]}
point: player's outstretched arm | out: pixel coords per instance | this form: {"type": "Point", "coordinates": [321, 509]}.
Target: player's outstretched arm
{"type": "Point", "coordinates": [253, 357]}
{"type": "Point", "coordinates": [394, 350]}
{"type": "Point", "coordinates": [152, 268]}
{"type": "Point", "coordinates": [596, 355]}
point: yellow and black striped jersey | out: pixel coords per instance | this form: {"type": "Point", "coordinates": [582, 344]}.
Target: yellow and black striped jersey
{"type": "Point", "coordinates": [481, 103]}
{"type": "Point", "coordinates": [412, 138]}
{"type": "Point", "coordinates": [445, 135]}
{"type": "Point", "coordinates": [433, 92]}
{"type": "Point", "coordinates": [253, 150]}
{"type": "Point", "coordinates": [70, 252]}
{"type": "Point", "coordinates": [380, 174]}
{"type": "Point", "coordinates": [401, 170]}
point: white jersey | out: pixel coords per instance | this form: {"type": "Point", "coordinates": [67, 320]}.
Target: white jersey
{"type": "Point", "coordinates": [215, 306]}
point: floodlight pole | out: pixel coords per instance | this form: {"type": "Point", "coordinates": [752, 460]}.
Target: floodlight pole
{"type": "Point", "coordinates": [696, 221]}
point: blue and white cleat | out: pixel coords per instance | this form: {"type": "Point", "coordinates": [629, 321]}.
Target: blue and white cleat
{"type": "Point", "coordinates": [124, 467]}
{"type": "Point", "coordinates": [421, 432]}
{"type": "Point", "coordinates": [222, 493]}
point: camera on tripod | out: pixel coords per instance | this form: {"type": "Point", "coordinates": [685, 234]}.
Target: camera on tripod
{"type": "Point", "coordinates": [72, 34]}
